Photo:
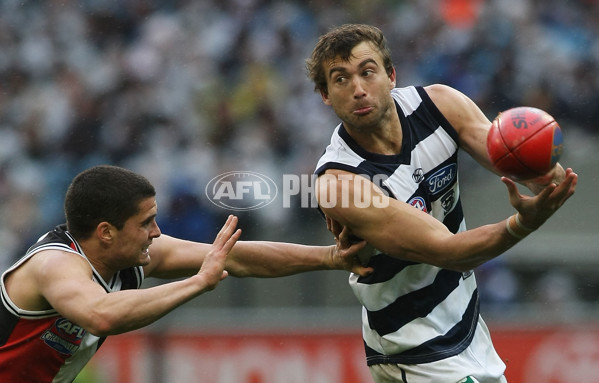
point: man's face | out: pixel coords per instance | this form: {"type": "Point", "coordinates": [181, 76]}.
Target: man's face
{"type": "Point", "coordinates": [133, 241]}
{"type": "Point", "coordinates": [358, 89]}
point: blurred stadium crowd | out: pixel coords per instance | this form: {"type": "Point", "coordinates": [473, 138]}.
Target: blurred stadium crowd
{"type": "Point", "coordinates": [183, 90]}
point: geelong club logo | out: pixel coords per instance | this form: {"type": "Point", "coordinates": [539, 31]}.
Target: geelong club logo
{"type": "Point", "coordinates": [241, 190]}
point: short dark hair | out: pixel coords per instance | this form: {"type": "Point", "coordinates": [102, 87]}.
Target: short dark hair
{"type": "Point", "coordinates": [339, 42]}
{"type": "Point", "coordinates": [104, 193]}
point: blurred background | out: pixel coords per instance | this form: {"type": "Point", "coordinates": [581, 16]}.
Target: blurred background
{"type": "Point", "coordinates": [182, 91]}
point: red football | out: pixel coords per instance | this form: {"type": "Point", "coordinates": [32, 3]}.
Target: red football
{"type": "Point", "coordinates": [524, 143]}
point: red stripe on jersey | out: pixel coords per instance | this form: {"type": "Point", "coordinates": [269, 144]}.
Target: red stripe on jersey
{"type": "Point", "coordinates": [31, 353]}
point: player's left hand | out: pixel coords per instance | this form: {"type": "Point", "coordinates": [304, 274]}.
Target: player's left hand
{"type": "Point", "coordinates": [534, 211]}
{"type": "Point", "coordinates": [556, 175]}
{"type": "Point", "coordinates": [213, 268]}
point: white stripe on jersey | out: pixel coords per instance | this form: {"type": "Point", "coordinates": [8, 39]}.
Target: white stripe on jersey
{"type": "Point", "coordinates": [342, 152]}
{"type": "Point", "coordinates": [408, 99]}
{"type": "Point", "coordinates": [421, 157]}
{"type": "Point", "coordinates": [420, 330]}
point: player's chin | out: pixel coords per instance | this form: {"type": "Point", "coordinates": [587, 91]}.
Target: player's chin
{"type": "Point", "coordinates": [144, 258]}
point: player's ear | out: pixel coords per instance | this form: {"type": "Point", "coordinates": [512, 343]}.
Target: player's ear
{"type": "Point", "coordinates": [325, 97]}
{"type": "Point", "coordinates": [105, 232]}
{"type": "Point", "coordinates": [392, 78]}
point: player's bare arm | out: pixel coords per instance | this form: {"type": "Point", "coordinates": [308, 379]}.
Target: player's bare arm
{"type": "Point", "coordinates": [277, 259]}
{"type": "Point", "coordinates": [179, 258]}
{"type": "Point", "coordinates": [63, 281]}
{"type": "Point", "coordinates": [402, 231]}
{"type": "Point", "coordinates": [466, 118]}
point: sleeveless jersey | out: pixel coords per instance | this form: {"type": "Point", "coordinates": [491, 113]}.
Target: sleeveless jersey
{"type": "Point", "coordinates": [43, 346]}
{"type": "Point", "coordinates": [412, 313]}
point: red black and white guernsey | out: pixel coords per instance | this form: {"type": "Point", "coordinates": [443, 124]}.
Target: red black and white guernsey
{"type": "Point", "coordinates": [43, 346]}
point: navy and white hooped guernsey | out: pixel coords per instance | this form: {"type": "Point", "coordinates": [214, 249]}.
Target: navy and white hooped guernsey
{"type": "Point", "coordinates": [412, 312]}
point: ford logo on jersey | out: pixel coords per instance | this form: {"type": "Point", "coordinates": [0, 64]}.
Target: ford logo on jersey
{"type": "Point", "coordinates": [241, 190]}
{"type": "Point", "coordinates": [441, 178]}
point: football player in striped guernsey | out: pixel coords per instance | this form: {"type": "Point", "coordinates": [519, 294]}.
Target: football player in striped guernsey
{"type": "Point", "coordinates": [390, 175]}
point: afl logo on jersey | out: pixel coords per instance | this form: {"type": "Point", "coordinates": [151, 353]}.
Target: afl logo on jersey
{"type": "Point", "coordinates": [64, 336]}
{"type": "Point", "coordinates": [241, 190]}
{"type": "Point", "coordinates": [442, 178]}
{"type": "Point", "coordinates": [419, 203]}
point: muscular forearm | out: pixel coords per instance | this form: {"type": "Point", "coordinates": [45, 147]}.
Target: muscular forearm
{"type": "Point", "coordinates": [461, 252]}
{"type": "Point", "coordinates": [276, 259]}
{"type": "Point", "coordinates": [470, 249]}
{"type": "Point", "coordinates": [246, 259]}
{"type": "Point", "coordinates": [423, 239]}
{"type": "Point", "coordinates": [128, 310]}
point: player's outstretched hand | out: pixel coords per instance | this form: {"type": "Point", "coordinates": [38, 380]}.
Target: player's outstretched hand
{"type": "Point", "coordinates": [349, 250]}
{"type": "Point", "coordinates": [534, 211]}
{"type": "Point", "coordinates": [213, 267]}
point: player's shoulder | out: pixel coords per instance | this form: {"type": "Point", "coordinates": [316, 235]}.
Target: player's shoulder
{"type": "Point", "coordinates": [59, 262]}
{"type": "Point", "coordinates": [24, 282]}
{"type": "Point", "coordinates": [441, 92]}
{"type": "Point", "coordinates": [54, 252]}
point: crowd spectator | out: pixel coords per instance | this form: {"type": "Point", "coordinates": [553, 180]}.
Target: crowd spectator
{"type": "Point", "coordinates": [204, 87]}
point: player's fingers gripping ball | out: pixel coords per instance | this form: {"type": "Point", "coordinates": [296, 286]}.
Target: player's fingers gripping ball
{"type": "Point", "coordinates": [524, 143]}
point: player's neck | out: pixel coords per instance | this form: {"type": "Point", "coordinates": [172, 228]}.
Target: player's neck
{"type": "Point", "coordinates": [384, 139]}
{"type": "Point", "coordinates": [98, 256]}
